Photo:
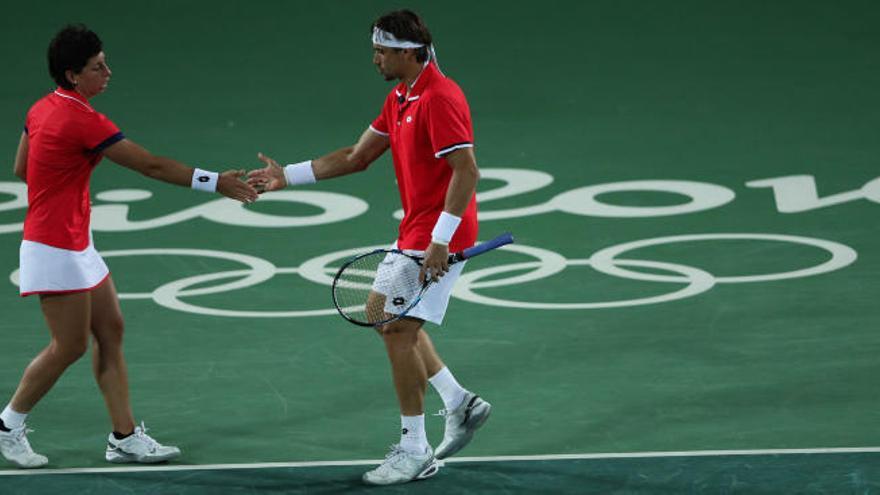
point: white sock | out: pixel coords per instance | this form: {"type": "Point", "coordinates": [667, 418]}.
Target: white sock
{"type": "Point", "coordinates": [446, 385]}
{"type": "Point", "coordinates": [12, 419]}
{"type": "Point", "coordinates": [413, 437]}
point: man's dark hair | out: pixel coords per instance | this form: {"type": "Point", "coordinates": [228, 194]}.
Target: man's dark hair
{"type": "Point", "coordinates": [71, 49]}
{"type": "Point", "coordinates": [406, 25]}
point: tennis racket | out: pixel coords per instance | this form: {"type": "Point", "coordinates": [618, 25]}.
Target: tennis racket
{"type": "Point", "coordinates": [381, 286]}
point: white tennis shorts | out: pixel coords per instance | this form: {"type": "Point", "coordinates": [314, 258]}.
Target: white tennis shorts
{"type": "Point", "coordinates": [45, 269]}
{"type": "Point", "coordinates": [434, 301]}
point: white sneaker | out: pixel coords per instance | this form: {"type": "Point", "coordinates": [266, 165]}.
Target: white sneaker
{"type": "Point", "coordinates": [138, 447]}
{"type": "Point", "coordinates": [401, 466]}
{"type": "Point", "coordinates": [461, 423]}
{"type": "Point", "coordinates": [16, 449]}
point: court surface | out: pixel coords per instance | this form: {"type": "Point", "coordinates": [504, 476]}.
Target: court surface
{"type": "Point", "coordinates": [690, 307]}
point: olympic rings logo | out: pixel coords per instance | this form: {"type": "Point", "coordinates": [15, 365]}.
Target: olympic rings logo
{"type": "Point", "coordinates": [472, 285]}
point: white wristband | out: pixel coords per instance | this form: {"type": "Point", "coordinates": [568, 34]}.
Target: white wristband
{"type": "Point", "coordinates": [300, 173]}
{"type": "Point", "coordinates": [444, 229]}
{"type": "Point", "coordinates": [204, 180]}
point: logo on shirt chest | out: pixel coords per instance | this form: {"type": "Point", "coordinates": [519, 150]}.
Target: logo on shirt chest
{"type": "Point", "coordinates": [407, 113]}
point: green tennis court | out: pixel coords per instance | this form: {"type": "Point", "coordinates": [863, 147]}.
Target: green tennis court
{"type": "Point", "coordinates": [690, 307]}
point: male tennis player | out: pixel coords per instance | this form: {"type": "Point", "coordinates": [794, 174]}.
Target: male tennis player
{"type": "Point", "coordinates": [426, 122]}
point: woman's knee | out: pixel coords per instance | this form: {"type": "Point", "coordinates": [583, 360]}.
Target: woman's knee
{"type": "Point", "coordinates": [68, 351]}
{"type": "Point", "coordinates": [110, 331]}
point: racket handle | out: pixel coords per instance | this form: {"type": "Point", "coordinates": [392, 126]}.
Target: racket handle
{"type": "Point", "coordinates": [501, 240]}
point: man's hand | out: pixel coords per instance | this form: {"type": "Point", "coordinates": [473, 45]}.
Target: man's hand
{"type": "Point", "coordinates": [436, 262]}
{"type": "Point", "coordinates": [269, 178]}
{"type": "Point", "coordinates": [229, 185]}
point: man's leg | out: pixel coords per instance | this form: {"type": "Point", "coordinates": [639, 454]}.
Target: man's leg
{"type": "Point", "coordinates": [412, 458]}
{"type": "Point", "coordinates": [433, 363]}
{"type": "Point", "coordinates": [439, 375]}
{"type": "Point", "coordinates": [465, 411]}
{"type": "Point", "coordinates": [401, 339]}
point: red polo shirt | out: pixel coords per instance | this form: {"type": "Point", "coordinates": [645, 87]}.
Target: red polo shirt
{"type": "Point", "coordinates": [434, 121]}
{"type": "Point", "coordinates": [65, 139]}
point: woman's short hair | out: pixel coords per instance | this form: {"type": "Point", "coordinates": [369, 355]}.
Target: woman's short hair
{"type": "Point", "coordinates": [71, 49]}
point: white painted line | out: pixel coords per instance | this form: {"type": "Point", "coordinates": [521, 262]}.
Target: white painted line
{"type": "Point", "coordinates": [510, 458]}
{"type": "Point", "coordinates": [693, 453]}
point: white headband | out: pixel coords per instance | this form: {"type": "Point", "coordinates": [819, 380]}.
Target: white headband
{"type": "Point", "coordinates": [384, 38]}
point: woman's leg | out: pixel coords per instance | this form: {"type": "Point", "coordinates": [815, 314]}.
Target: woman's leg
{"type": "Point", "coordinates": [108, 361]}
{"type": "Point", "coordinates": [67, 316]}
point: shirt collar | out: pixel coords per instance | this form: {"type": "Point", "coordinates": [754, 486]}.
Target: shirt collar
{"type": "Point", "coordinates": [71, 94]}
{"type": "Point", "coordinates": [419, 85]}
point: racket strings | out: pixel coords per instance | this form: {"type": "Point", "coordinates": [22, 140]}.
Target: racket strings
{"type": "Point", "coordinates": [375, 288]}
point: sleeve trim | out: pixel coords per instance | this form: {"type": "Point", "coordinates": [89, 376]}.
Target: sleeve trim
{"type": "Point", "coordinates": [451, 148]}
{"type": "Point", "coordinates": [108, 142]}
{"type": "Point", "coordinates": [377, 131]}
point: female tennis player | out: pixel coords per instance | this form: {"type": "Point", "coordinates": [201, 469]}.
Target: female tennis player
{"type": "Point", "coordinates": [63, 141]}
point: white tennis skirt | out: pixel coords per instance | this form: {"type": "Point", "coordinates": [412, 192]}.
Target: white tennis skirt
{"type": "Point", "coordinates": [50, 270]}
{"type": "Point", "coordinates": [434, 301]}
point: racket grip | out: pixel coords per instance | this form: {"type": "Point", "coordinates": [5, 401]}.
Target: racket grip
{"type": "Point", "coordinates": [501, 240]}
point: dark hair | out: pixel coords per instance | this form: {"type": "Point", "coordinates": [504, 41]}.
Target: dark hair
{"type": "Point", "coordinates": [406, 25]}
{"type": "Point", "coordinates": [71, 49]}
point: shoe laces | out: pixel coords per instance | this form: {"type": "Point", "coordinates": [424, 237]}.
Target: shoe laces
{"type": "Point", "coordinates": [20, 436]}
{"type": "Point", "coordinates": [141, 433]}
{"type": "Point", "coordinates": [394, 451]}
{"type": "Point", "coordinates": [394, 457]}
{"type": "Point", "coordinates": [449, 412]}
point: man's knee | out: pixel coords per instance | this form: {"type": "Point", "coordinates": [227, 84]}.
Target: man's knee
{"type": "Point", "coordinates": [401, 333]}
